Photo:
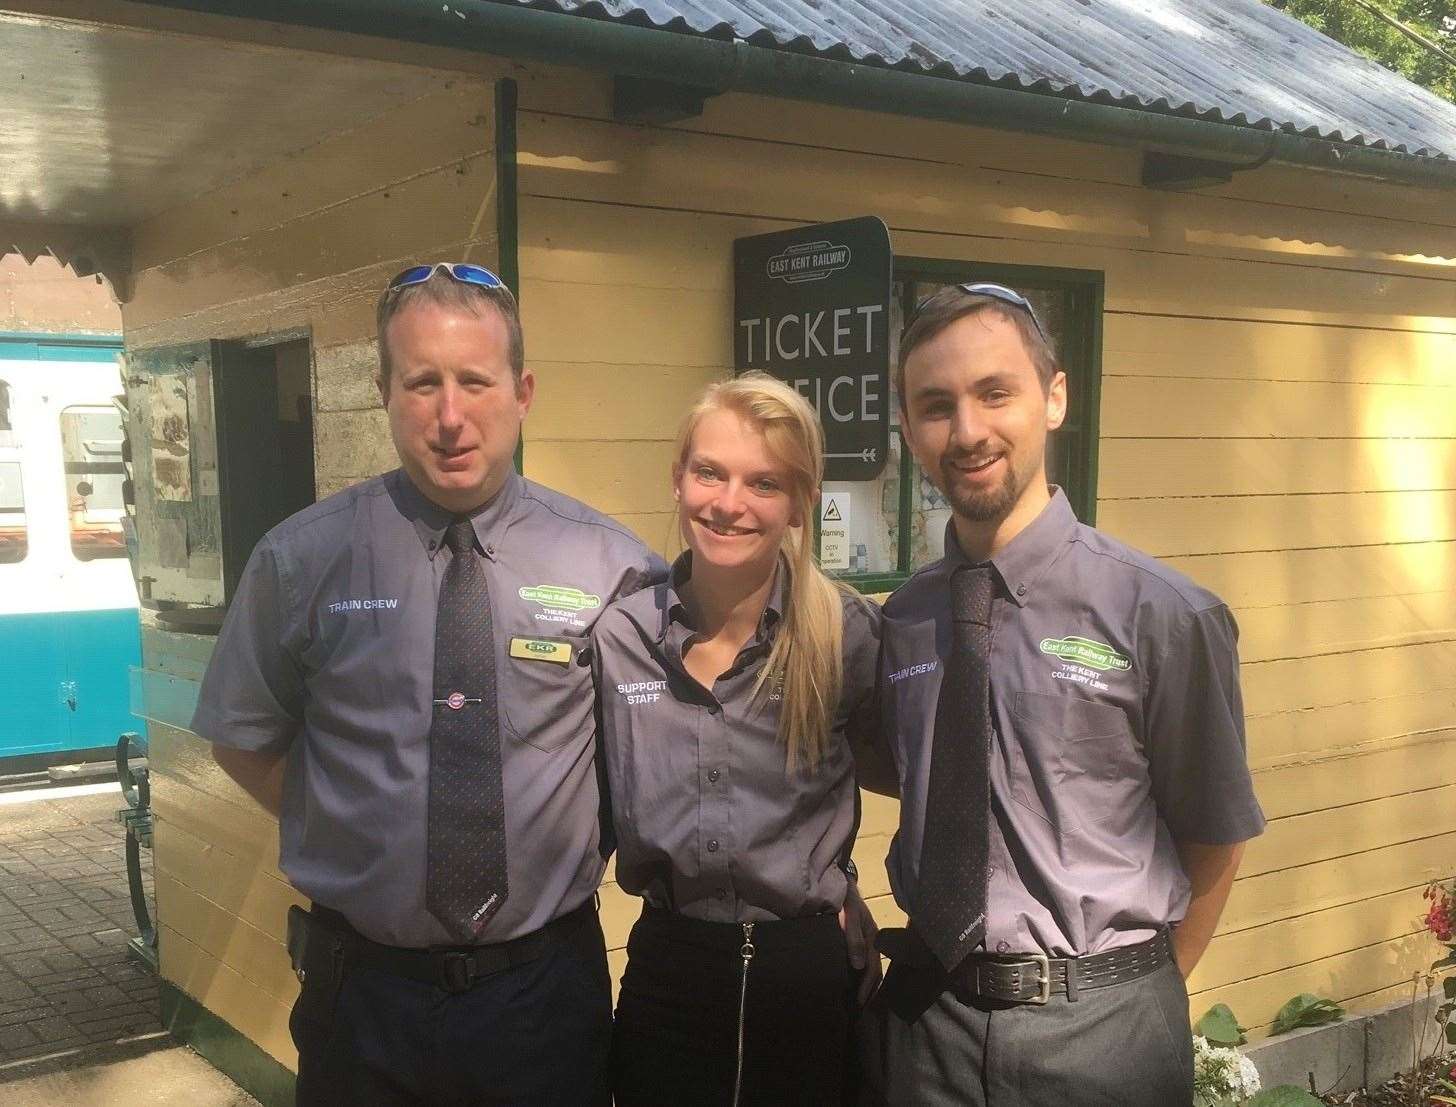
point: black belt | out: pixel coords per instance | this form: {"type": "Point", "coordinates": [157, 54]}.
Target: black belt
{"type": "Point", "coordinates": [1031, 977]}
{"type": "Point", "coordinates": [457, 968]}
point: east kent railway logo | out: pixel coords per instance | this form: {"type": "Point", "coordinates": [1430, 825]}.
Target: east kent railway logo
{"type": "Point", "coordinates": [560, 597]}
{"type": "Point", "coordinates": [809, 261]}
{"type": "Point", "coordinates": [1084, 651]}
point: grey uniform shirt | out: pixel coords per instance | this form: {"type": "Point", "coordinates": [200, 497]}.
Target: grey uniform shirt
{"type": "Point", "coordinates": [327, 652]}
{"type": "Point", "coordinates": [710, 823]}
{"type": "Point", "coordinates": [1118, 729]}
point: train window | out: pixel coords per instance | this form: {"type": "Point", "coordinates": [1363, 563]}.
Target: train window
{"type": "Point", "coordinates": [8, 435]}
{"type": "Point", "coordinates": [91, 449]}
{"type": "Point", "coordinates": [12, 514]}
{"type": "Point", "coordinates": [13, 541]}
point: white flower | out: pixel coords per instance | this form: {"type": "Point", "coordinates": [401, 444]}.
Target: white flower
{"type": "Point", "coordinates": [1248, 1078]}
{"type": "Point", "coordinates": [1220, 1075]}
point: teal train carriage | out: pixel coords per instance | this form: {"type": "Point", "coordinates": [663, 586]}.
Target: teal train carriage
{"type": "Point", "coordinates": [68, 602]}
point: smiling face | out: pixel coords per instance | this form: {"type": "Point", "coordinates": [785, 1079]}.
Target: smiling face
{"type": "Point", "coordinates": [977, 417]}
{"type": "Point", "coordinates": [734, 497]}
{"type": "Point", "coordinates": [455, 409]}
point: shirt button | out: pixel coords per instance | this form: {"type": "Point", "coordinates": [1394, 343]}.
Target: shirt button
{"type": "Point", "coordinates": [713, 776]}
{"type": "Point", "coordinates": [990, 872]}
{"type": "Point", "coordinates": [712, 845]}
{"type": "Point", "coordinates": [433, 543]}
{"type": "Point", "coordinates": [1021, 589]}
{"type": "Point", "coordinates": [1003, 947]}
{"type": "Point", "coordinates": [721, 893]}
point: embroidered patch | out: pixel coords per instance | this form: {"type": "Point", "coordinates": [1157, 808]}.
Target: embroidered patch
{"type": "Point", "coordinates": [560, 597]}
{"type": "Point", "coordinates": [642, 691]}
{"type": "Point", "coordinates": [1084, 651]}
{"type": "Point", "coordinates": [362, 605]}
{"type": "Point", "coordinates": [541, 649]}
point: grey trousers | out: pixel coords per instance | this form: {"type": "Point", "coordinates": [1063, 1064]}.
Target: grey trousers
{"type": "Point", "coordinates": [1124, 1046]}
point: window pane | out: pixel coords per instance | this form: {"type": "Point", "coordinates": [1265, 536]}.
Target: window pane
{"type": "Point", "coordinates": [8, 434]}
{"type": "Point", "coordinates": [874, 522]}
{"type": "Point", "coordinates": [91, 448]}
{"type": "Point", "coordinates": [12, 514]}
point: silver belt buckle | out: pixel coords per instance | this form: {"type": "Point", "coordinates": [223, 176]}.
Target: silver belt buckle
{"type": "Point", "coordinates": [1043, 980]}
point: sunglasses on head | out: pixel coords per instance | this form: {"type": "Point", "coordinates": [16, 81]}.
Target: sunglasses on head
{"type": "Point", "coordinates": [1004, 295]}
{"type": "Point", "coordinates": [461, 271]}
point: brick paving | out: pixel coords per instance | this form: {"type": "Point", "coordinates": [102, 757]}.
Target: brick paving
{"type": "Point", "coordinates": [66, 980]}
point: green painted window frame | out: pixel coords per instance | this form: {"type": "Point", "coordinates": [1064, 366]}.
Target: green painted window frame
{"type": "Point", "coordinates": [1081, 357]}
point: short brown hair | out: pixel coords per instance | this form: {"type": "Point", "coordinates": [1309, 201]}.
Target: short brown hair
{"type": "Point", "coordinates": [942, 308]}
{"type": "Point", "coordinates": [445, 291]}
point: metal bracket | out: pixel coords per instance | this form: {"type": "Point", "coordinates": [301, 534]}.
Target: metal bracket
{"type": "Point", "coordinates": [1175, 173]}
{"type": "Point", "coordinates": [137, 818]}
{"type": "Point", "coordinates": [643, 100]}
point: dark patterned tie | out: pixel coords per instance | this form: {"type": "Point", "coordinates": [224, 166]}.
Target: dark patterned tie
{"type": "Point", "coordinates": [951, 905]}
{"type": "Point", "coordinates": [465, 881]}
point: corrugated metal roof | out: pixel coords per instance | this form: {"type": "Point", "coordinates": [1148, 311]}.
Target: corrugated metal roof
{"type": "Point", "coordinates": [1233, 61]}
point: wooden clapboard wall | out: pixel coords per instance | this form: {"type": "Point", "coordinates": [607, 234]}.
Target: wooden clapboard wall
{"type": "Point", "coordinates": [1278, 420]}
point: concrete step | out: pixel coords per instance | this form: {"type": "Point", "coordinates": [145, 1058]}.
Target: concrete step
{"type": "Point", "coordinates": [154, 1070]}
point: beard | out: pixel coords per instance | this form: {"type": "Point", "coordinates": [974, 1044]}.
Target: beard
{"type": "Point", "coordinates": [993, 504]}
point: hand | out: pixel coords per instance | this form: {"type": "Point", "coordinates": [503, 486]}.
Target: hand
{"type": "Point", "coordinates": [859, 933]}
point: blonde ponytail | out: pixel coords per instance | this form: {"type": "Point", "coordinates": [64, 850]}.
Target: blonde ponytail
{"type": "Point", "coordinates": [806, 663]}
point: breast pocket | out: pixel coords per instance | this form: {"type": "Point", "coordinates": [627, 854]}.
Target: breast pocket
{"type": "Point", "coordinates": [546, 703]}
{"type": "Point", "coordinates": [1079, 764]}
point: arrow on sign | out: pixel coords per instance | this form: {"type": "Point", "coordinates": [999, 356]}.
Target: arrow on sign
{"type": "Point", "coordinates": [867, 454]}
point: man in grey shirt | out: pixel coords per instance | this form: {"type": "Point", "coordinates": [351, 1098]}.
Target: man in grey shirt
{"type": "Point", "coordinates": [1065, 718]}
{"type": "Point", "coordinates": [402, 678]}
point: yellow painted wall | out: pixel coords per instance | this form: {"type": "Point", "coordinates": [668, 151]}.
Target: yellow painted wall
{"type": "Point", "coordinates": [1278, 421]}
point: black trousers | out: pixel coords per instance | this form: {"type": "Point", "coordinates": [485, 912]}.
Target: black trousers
{"type": "Point", "coordinates": [534, 1034]}
{"type": "Point", "coordinates": [675, 1042]}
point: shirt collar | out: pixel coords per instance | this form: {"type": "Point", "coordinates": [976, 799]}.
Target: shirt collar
{"type": "Point", "coordinates": [675, 612]}
{"type": "Point", "coordinates": [1023, 560]}
{"type": "Point", "coordinates": [430, 520]}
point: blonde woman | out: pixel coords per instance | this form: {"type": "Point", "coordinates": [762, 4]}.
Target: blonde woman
{"type": "Point", "coordinates": [733, 699]}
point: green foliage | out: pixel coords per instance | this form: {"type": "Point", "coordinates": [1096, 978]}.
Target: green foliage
{"type": "Point", "coordinates": [1306, 1010]}
{"type": "Point", "coordinates": [1285, 1095]}
{"type": "Point", "coordinates": [1448, 1086]}
{"type": "Point", "coordinates": [1220, 1027]}
{"type": "Point", "coordinates": [1359, 29]}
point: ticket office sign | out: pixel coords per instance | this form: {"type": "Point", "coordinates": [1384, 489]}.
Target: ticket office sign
{"type": "Point", "coordinates": [811, 306]}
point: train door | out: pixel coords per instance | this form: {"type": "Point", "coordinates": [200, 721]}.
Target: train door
{"type": "Point", "coordinates": [34, 717]}
{"type": "Point", "coordinates": [102, 636]}
{"type": "Point", "coordinates": [68, 609]}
